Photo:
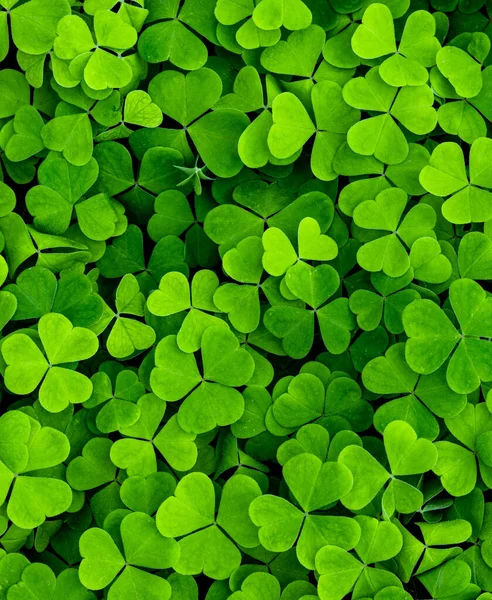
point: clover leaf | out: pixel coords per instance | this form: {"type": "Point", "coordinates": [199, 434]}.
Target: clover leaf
{"type": "Point", "coordinates": [190, 515]}
{"type": "Point", "coordinates": [446, 176]}
{"type": "Point", "coordinates": [27, 366]}
{"type": "Point", "coordinates": [433, 338]}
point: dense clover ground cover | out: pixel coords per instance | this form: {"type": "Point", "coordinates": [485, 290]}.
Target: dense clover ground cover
{"type": "Point", "coordinates": [245, 325]}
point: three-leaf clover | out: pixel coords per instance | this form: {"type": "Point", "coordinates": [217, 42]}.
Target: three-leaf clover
{"type": "Point", "coordinates": [63, 345]}
{"type": "Point", "coordinates": [190, 515]}
{"type": "Point", "coordinates": [315, 484]}
{"type": "Point", "coordinates": [211, 399]}
{"type": "Point", "coordinates": [433, 338]}
{"type": "Point", "coordinates": [143, 547]}
{"type": "Point", "coordinates": [468, 195]}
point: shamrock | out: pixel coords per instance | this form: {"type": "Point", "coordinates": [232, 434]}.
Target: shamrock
{"type": "Point", "coordinates": [173, 297]}
{"type": "Point", "coordinates": [129, 335]}
{"type": "Point", "coordinates": [101, 69]}
{"type": "Point", "coordinates": [314, 286]}
{"type": "Point", "coordinates": [433, 337]}
{"type": "Point", "coordinates": [422, 395]}
{"type": "Point", "coordinates": [456, 465]}
{"type": "Point", "coordinates": [292, 126]}
{"type": "Point", "coordinates": [305, 400]}
{"type": "Point", "coordinates": [181, 98]}
{"type": "Point", "coordinates": [242, 302]}
{"type": "Point", "coordinates": [28, 447]}
{"type": "Point", "coordinates": [39, 292]}
{"type": "Point", "coordinates": [391, 296]}
{"type": "Point", "coordinates": [136, 453]}
{"type": "Point", "coordinates": [375, 37]}
{"type": "Point", "coordinates": [126, 256]}
{"type": "Point", "coordinates": [380, 136]}
{"type": "Point", "coordinates": [62, 185]}
{"type": "Point", "coordinates": [213, 399]}
{"type": "Point", "coordinates": [407, 455]}
{"type": "Point", "coordinates": [190, 515]}
{"type": "Point", "coordinates": [445, 175]}
{"type": "Point", "coordinates": [115, 392]}
{"type": "Point", "coordinates": [63, 344]}
{"type": "Point", "coordinates": [387, 253]}
{"type": "Point", "coordinates": [143, 546]}
{"type": "Point", "coordinates": [277, 212]}
{"type": "Point", "coordinates": [170, 39]}
{"type": "Point", "coordinates": [314, 484]}
{"type": "Point", "coordinates": [340, 571]}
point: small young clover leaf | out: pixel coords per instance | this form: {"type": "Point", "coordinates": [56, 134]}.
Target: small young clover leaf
{"type": "Point", "coordinates": [113, 402]}
{"type": "Point", "coordinates": [420, 395]}
{"type": "Point", "coordinates": [375, 37]}
{"type": "Point", "coordinates": [468, 196]}
{"type": "Point", "coordinates": [340, 572]}
{"type": "Point", "coordinates": [387, 303]}
{"type": "Point", "coordinates": [27, 366]}
{"type": "Point", "coordinates": [295, 325]}
{"type": "Point", "coordinates": [314, 484]}
{"type": "Point", "coordinates": [39, 292]}
{"type": "Point", "coordinates": [135, 452]}
{"type": "Point", "coordinates": [173, 297]}
{"type": "Point", "coordinates": [129, 336]}
{"type": "Point", "coordinates": [95, 62]}
{"type": "Point", "coordinates": [247, 33]}
{"type": "Point", "coordinates": [242, 302]}
{"type": "Point", "coordinates": [143, 546]}
{"type": "Point", "coordinates": [25, 448]}
{"type": "Point", "coordinates": [211, 400]}
{"type": "Point", "coordinates": [305, 400]}
{"type": "Point", "coordinates": [190, 515]}
{"type": "Point", "coordinates": [279, 254]}
{"type": "Point", "coordinates": [433, 337]}
{"type": "Point", "coordinates": [126, 255]}
{"type": "Point", "coordinates": [61, 186]}
{"type": "Point", "coordinates": [380, 136]}
{"type": "Point", "coordinates": [292, 126]}
{"type": "Point", "coordinates": [387, 253]}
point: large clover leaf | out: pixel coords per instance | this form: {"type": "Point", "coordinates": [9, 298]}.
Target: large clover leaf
{"type": "Point", "coordinates": [190, 515]}
{"type": "Point", "coordinates": [27, 366]}
{"type": "Point", "coordinates": [433, 337]}
{"type": "Point", "coordinates": [469, 198]}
